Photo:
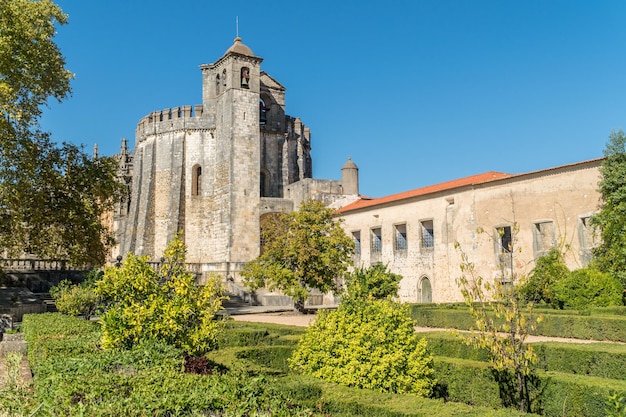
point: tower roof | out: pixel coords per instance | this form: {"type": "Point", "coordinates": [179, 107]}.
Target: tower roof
{"type": "Point", "coordinates": [239, 48]}
{"type": "Point", "coordinates": [349, 164]}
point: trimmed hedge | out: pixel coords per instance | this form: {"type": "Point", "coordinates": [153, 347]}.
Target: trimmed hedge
{"type": "Point", "coordinates": [75, 377]}
{"type": "Point", "coordinates": [595, 359]}
{"type": "Point", "coordinates": [240, 334]}
{"type": "Point", "coordinates": [599, 324]}
{"type": "Point", "coordinates": [562, 394]}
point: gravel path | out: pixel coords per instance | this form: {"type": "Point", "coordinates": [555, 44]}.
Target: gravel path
{"type": "Point", "coordinates": [303, 320]}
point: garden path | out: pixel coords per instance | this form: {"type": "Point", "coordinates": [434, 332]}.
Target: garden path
{"type": "Point", "coordinates": [303, 320]}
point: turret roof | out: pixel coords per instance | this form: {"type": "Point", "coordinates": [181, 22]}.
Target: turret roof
{"type": "Point", "coordinates": [239, 48]}
{"type": "Point", "coordinates": [349, 164]}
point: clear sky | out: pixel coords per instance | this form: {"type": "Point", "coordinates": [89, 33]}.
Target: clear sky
{"type": "Point", "coordinates": [417, 92]}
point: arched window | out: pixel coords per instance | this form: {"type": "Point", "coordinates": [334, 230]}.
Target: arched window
{"type": "Point", "coordinates": [245, 77]}
{"type": "Point", "coordinates": [262, 112]}
{"type": "Point", "coordinates": [426, 291]}
{"type": "Point", "coordinates": [196, 180]}
{"type": "Point", "coordinates": [224, 77]}
{"type": "Point", "coordinates": [217, 84]}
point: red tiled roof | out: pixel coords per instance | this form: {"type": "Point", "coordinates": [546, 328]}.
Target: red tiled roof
{"type": "Point", "coordinates": [448, 185]}
{"type": "Point", "coordinates": [364, 202]}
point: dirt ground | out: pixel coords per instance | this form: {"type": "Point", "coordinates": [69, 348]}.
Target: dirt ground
{"type": "Point", "coordinates": [303, 320]}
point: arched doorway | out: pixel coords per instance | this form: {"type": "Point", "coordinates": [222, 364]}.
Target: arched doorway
{"type": "Point", "coordinates": [426, 291]}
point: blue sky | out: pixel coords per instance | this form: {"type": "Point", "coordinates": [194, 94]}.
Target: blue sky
{"type": "Point", "coordinates": [417, 92]}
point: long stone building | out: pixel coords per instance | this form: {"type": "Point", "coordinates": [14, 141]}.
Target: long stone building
{"type": "Point", "coordinates": [502, 222]}
{"type": "Point", "coordinates": [214, 170]}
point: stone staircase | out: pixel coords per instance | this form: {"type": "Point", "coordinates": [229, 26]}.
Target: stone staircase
{"type": "Point", "coordinates": [48, 301]}
{"type": "Point", "coordinates": [235, 301]}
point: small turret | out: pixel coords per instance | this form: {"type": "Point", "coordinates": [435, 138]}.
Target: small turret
{"type": "Point", "coordinates": [350, 178]}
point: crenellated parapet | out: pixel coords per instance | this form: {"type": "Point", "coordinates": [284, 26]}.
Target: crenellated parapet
{"type": "Point", "coordinates": [173, 119]}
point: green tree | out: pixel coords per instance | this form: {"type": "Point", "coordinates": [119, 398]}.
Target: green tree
{"type": "Point", "coordinates": [610, 255]}
{"type": "Point", "coordinates": [375, 282]}
{"type": "Point", "coordinates": [586, 288]}
{"type": "Point", "coordinates": [303, 250]}
{"type": "Point", "coordinates": [549, 269]}
{"type": "Point", "coordinates": [503, 321]}
{"type": "Point", "coordinates": [52, 197]}
{"type": "Point", "coordinates": [166, 305]}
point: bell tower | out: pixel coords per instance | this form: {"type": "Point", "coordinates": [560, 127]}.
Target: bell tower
{"type": "Point", "coordinates": [231, 92]}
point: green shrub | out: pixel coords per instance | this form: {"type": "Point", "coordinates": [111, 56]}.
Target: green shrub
{"type": "Point", "coordinates": [75, 300]}
{"type": "Point", "coordinates": [549, 269]}
{"type": "Point", "coordinates": [374, 282]}
{"type": "Point", "coordinates": [167, 305]}
{"type": "Point", "coordinates": [587, 287]}
{"type": "Point", "coordinates": [366, 344]}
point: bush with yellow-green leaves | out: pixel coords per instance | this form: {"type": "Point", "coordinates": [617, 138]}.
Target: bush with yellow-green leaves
{"type": "Point", "coordinates": [164, 304]}
{"type": "Point", "coordinates": [366, 343]}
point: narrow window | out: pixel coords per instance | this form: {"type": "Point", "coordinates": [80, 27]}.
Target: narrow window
{"type": "Point", "coordinates": [543, 237]}
{"type": "Point", "coordinates": [588, 239]}
{"type": "Point", "coordinates": [504, 250]}
{"type": "Point", "coordinates": [262, 184]}
{"type": "Point", "coordinates": [400, 242]}
{"type": "Point", "coordinates": [196, 180]}
{"type": "Point", "coordinates": [245, 77]}
{"type": "Point", "coordinates": [356, 237]}
{"type": "Point", "coordinates": [428, 234]}
{"type": "Point", "coordinates": [504, 239]}
{"type": "Point", "coordinates": [224, 77]}
{"type": "Point", "coordinates": [262, 112]}
{"type": "Point", "coordinates": [377, 242]}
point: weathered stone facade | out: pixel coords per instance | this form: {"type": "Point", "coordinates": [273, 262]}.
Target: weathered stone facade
{"type": "Point", "coordinates": [212, 170]}
{"type": "Point", "coordinates": [521, 217]}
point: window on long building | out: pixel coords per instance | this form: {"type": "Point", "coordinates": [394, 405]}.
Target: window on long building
{"type": "Point", "coordinates": [428, 234]}
{"type": "Point", "coordinates": [543, 237]}
{"type": "Point", "coordinates": [377, 241]}
{"type": "Point", "coordinates": [356, 237]}
{"type": "Point", "coordinates": [400, 241]}
{"type": "Point", "coordinates": [504, 239]}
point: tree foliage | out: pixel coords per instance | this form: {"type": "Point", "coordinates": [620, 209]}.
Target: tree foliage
{"type": "Point", "coordinates": [503, 320]}
{"type": "Point", "coordinates": [303, 250]}
{"type": "Point", "coordinates": [549, 269]}
{"type": "Point", "coordinates": [52, 197]}
{"type": "Point", "coordinates": [166, 305]}
{"type": "Point", "coordinates": [375, 282]}
{"type": "Point", "coordinates": [78, 299]}
{"type": "Point", "coordinates": [367, 344]}
{"type": "Point", "coordinates": [586, 288]}
{"type": "Point", "coordinates": [610, 255]}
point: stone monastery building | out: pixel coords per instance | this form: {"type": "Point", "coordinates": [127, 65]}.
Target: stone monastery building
{"type": "Point", "coordinates": [214, 170]}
